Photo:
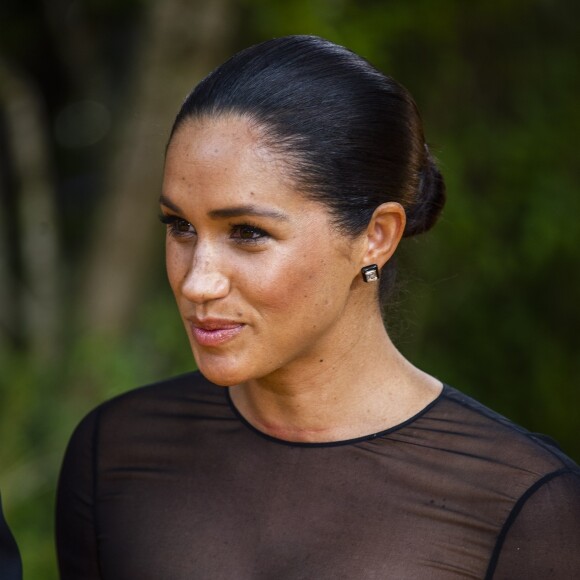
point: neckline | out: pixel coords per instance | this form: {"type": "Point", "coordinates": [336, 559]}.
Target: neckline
{"type": "Point", "coordinates": [342, 442]}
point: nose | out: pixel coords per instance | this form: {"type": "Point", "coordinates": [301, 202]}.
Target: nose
{"type": "Point", "coordinates": [205, 280]}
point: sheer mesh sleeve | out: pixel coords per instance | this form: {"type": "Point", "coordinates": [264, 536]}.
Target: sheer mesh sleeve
{"type": "Point", "coordinates": [540, 539]}
{"type": "Point", "coordinates": [75, 525]}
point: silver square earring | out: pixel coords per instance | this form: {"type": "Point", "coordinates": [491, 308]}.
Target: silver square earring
{"type": "Point", "coordinates": [370, 273]}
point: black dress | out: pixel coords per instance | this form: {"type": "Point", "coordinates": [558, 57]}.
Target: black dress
{"type": "Point", "coordinates": [10, 564]}
{"type": "Point", "coordinates": [169, 482]}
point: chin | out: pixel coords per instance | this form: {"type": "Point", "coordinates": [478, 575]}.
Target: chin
{"type": "Point", "coordinates": [221, 373]}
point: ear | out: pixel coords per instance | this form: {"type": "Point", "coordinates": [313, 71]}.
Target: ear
{"type": "Point", "coordinates": [384, 233]}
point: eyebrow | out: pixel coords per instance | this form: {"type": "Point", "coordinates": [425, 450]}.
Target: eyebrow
{"type": "Point", "coordinates": [230, 212]}
{"type": "Point", "coordinates": [164, 200]}
{"type": "Point", "coordinates": [243, 210]}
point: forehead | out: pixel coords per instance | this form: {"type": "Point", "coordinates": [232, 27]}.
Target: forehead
{"type": "Point", "coordinates": [216, 166]}
{"type": "Point", "coordinates": [228, 143]}
{"type": "Point", "coordinates": [223, 161]}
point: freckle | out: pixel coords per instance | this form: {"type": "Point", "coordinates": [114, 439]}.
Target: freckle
{"type": "Point", "coordinates": [321, 360]}
{"type": "Point", "coordinates": [252, 193]}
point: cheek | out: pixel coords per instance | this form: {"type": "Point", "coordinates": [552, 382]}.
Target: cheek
{"type": "Point", "coordinates": [299, 285]}
{"type": "Point", "coordinates": [176, 265]}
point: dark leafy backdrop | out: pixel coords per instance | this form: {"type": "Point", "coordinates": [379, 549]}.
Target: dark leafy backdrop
{"type": "Point", "coordinates": [488, 301]}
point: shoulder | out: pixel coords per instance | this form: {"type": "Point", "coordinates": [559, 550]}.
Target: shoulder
{"type": "Point", "coordinates": [146, 408]}
{"type": "Point", "coordinates": [528, 489]}
{"type": "Point", "coordinates": [540, 537]}
{"type": "Point", "coordinates": [474, 449]}
{"type": "Point", "coordinates": [493, 437]}
{"type": "Point", "coordinates": [192, 384]}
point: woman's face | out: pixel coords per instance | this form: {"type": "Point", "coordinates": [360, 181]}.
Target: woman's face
{"type": "Point", "coordinates": [263, 281]}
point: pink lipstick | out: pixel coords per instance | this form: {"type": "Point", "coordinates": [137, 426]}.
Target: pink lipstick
{"type": "Point", "coordinates": [214, 332]}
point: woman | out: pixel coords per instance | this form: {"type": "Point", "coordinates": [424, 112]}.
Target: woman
{"type": "Point", "coordinates": [292, 173]}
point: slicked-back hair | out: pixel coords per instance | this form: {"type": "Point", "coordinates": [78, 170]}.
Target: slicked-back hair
{"type": "Point", "coordinates": [350, 136]}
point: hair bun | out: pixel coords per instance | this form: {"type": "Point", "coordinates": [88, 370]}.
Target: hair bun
{"type": "Point", "coordinates": [429, 200]}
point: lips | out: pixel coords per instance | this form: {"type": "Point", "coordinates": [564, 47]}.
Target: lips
{"type": "Point", "coordinates": [214, 332]}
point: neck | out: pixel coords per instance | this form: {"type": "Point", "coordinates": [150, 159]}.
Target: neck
{"type": "Point", "coordinates": [324, 399]}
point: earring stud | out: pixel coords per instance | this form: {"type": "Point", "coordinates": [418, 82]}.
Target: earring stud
{"type": "Point", "coordinates": [370, 273]}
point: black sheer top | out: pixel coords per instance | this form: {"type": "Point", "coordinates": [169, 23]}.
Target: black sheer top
{"type": "Point", "coordinates": [169, 482]}
{"type": "Point", "coordinates": [10, 564]}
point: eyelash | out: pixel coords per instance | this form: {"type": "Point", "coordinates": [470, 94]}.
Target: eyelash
{"type": "Point", "coordinates": [173, 222]}
{"type": "Point", "coordinates": [237, 230]}
{"type": "Point", "coordinates": [259, 234]}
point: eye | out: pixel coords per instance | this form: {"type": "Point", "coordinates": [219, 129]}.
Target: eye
{"type": "Point", "coordinates": [176, 226]}
{"type": "Point", "coordinates": [248, 233]}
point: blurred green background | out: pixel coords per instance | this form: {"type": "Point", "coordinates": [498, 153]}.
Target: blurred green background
{"type": "Point", "coordinates": [488, 300]}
